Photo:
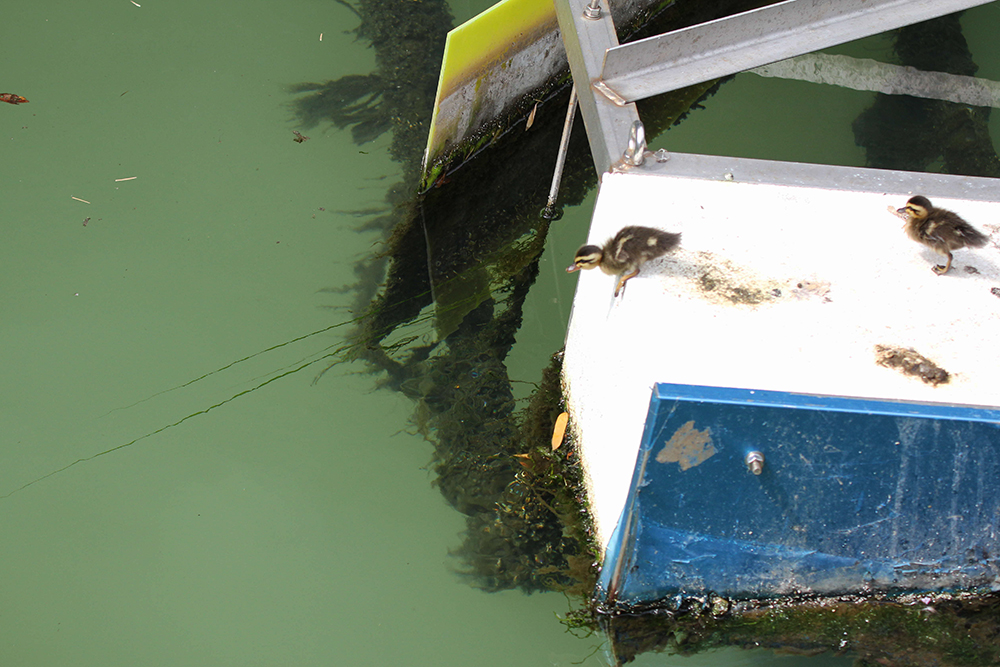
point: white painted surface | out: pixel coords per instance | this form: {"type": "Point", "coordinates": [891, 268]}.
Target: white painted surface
{"type": "Point", "coordinates": [863, 282]}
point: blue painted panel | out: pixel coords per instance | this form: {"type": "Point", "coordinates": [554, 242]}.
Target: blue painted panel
{"type": "Point", "coordinates": [855, 495]}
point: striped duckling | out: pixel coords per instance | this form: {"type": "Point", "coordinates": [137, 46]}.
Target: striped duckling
{"type": "Point", "coordinates": [625, 253]}
{"type": "Point", "coordinates": [939, 229]}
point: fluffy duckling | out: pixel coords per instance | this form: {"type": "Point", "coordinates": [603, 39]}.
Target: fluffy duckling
{"type": "Point", "coordinates": [939, 229]}
{"type": "Point", "coordinates": [625, 254]}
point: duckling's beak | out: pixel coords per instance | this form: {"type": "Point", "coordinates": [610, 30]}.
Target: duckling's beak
{"type": "Point", "coordinates": [572, 267]}
{"type": "Point", "coordinates": [903, 211]}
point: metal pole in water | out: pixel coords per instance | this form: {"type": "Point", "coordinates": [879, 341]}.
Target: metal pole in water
{"type": "Point", "coordinates": [550, 212]}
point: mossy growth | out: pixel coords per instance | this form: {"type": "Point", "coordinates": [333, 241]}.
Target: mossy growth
{"type": "Point", "coordinates": [941, 629]}
{"type": "Point", "coordinates": [539, 535]}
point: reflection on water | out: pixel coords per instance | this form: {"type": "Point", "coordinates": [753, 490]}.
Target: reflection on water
{"type": "Point", "coordinates": [175, 488]}
{"type": "Point", "coordinates": [912, 134]}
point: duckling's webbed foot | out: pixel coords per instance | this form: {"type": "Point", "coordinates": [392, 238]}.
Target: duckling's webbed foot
{"type": "Point", "coordinates": [620, 288]}
{"type": "Point", "coordinates": [941, 270]}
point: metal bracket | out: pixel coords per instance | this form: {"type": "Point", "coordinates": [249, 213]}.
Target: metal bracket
{"type": "Point", "coordinates": [635, 154]}
{"type": "Point", "coordinates": [603, 89]}
{"type": "Point", "coordinates": [743, 41]}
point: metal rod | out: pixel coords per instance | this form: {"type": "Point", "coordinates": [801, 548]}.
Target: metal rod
{"type": "Point", "coordinates": [549, 210]}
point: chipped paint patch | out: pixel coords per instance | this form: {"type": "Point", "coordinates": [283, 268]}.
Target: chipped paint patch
{"type": "Point", "coordinates": [688, 447]}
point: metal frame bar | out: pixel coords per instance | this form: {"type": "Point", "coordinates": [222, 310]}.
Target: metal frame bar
{"type": "Point", "coordinates": [830, 177]}
{"type": "Point", "coordinates": [586, 41]}
{"type": "Point", "coordinates": [729, 45]}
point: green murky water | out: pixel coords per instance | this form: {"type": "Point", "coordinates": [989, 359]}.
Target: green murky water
{"type": "Point", "coordinates": [251, 517]}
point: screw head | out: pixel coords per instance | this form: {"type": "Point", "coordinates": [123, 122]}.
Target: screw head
{"type": "Point", "coordinates": [755, 462]}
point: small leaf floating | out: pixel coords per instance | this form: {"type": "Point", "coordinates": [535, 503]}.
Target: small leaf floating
{"type": "Point", "coordinates": [11, 98]}
{"type": "Point", "coordinates": [299, 137]}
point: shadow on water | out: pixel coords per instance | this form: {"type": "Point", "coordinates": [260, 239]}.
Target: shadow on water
{"type": "Point", "coordinates": [349, 102]}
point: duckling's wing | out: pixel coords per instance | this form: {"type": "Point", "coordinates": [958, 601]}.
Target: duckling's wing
{"type": "Point", "coordinates": [625, 245]}
{"type": "Point", "coordinates": [970, 236]}
{"type": "Point", "coordinates": [954, 234]}
{"type": "Point", "coordinates": [935, 232]}
{"type": "Point", "coordinates": [667, 241]}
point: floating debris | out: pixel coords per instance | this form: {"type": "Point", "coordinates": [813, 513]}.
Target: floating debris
{"type": "Point", "coordinates": [11, 98]}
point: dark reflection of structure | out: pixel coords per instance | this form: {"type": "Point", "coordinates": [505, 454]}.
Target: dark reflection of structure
{"type": "Point", "coordinates": [916, 134]}
{"type": "Point", "coordinates": [469, 249]}
{"type": "Point", "coordinates": [408, 38]}
{"type": "Point", "coordinates": [349, 102]}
